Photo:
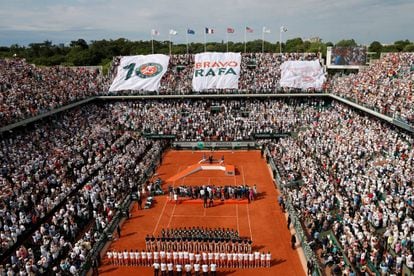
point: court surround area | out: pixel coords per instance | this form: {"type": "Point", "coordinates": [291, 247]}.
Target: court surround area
{"type": "Point", "coordinates": [262, 220]}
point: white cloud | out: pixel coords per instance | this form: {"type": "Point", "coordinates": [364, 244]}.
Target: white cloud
{"type": "Point", "coordinates": [365, 21]}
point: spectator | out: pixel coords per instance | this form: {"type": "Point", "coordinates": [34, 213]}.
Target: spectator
{"type": "Point", "coordinates": [27, 90]}
{"type": "Point", "coordinates": [293, 241]}
{"type": "Point", "coordinates": [385, 86]}
{"type": "Point", "coordinates": [346, 173]}
{"type": "Point", "coordinates": [259, 73]}
{"type": "Point", "coordinates": [364, 177]}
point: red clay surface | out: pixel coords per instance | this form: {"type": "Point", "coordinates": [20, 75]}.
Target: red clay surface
{"type": "Point", "coordinates": [262, 220]}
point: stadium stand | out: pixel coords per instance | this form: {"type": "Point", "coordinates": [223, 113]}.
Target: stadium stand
{"type": "Point", "coordinates": [199, 120]}
{"type": "Point", "coordinates": [55, 180]}
{"type": "Point", "coordinates": [386, 86]}
{"type": "Point", "coordinates": [352, 174]}
{"type": "Point", "coordinates": [260, 73]}
{"type": "Point", "coordinates": [27, 90]}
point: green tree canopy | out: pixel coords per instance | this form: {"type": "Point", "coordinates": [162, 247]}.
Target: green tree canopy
{"type": "Point", "coordinates": [98, 52]}
{"type": "Point", "coordinates": [346, 43]}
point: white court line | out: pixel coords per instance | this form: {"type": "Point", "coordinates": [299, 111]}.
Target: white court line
{"type": "Point", "coordinates": [244, 181]}
{"type": "Point", "coordinates": [159, 219]}
{"type": "Point", "coordinates": [172, 214]}
{"type": "Point", "coordinates": [163, 208]}
{"type": "Point", "coordinates": [237, 218]}
{"type": "Point", "coordinates": [195, 216]}
{"type": "Point", "coordinates": [248, 219]}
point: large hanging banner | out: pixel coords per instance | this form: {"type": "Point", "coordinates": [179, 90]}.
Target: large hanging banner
{"type": "Point", "coordinates": [216, 71]}
{"type": "Point", "coordinates": [140, 73]}
{"type": "Point", "coordinates": [302, 74]}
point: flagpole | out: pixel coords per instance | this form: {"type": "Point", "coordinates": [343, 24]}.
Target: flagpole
{"type": "Point", "coordinates": [205, 40]}
{"type": "Point", "coordinates": [152, 43]}
{"type": "Point", "coordinates": [227, 37]}
{"type": "Point", "coordinates": [280, 40]}
{"type": "Point", "coordinates": [263, 40]}
{"type": "Point", "coordinates": [245, 39]}
{"type": "Point", "coordinates": [186, 38]}
{"type": "Point", "coordinates": [169, 37]}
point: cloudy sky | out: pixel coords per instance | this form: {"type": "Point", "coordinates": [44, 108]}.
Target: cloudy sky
{"type": "Point", "coordinates": [26, 21]}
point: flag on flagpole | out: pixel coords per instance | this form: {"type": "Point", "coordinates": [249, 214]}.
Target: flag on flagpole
{"type": "Point", "coordinates": [283, 29]}
{"type": "Point", "coordinates": [154, 32]}
{"type": "Point", "coordinates": [209, 31]}
{"type": "Point", "coordinates": [173, 32]}
{"type": "Point", "coordinates": [249, 30]}
{"type": "Point", "coordinates": [229, 31]}
{"type": "Point", "coordinates": [191, 32]}
{"type": "Point", "coordinates": [264, 31]}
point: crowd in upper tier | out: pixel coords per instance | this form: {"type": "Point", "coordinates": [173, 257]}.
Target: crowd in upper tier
{"type": "Point", "coordinates": [208, 120]}
{"type": "Point", "coordinates": [259, 73]}
{"type": "Point", "coordinates": [27, 90]}
{"type": "Point", "coordinates": [386, 86]}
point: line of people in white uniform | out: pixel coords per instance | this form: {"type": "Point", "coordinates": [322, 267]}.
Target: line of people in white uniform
{"type": "Point", "coordinates": [220, 259]}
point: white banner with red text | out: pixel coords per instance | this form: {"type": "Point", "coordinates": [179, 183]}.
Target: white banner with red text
{"type": "Point", "coordinates": [302, 74]}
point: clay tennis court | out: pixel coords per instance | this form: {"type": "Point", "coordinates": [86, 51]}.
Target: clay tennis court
{"type": "Point", "coordinates": [262, 220]}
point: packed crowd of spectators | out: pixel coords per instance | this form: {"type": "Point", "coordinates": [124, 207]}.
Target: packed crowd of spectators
{"type": "Point", "coordinates": [106, 191]}
{"type": "Point", "coordinates": [386, 86]}
{"type": "Point", "coordinates": [27, 90]}
{"type": "Point", "coordinates": [353, 175]}
{"type": "Point", "coordinates": [220, 120]}
{"type": "Point", "coordinates": [72, 169]}
{"type": "Point", "coordinates": [38, 168]}
{"type": "Point", "coordinates": [259, 73]}
{"type": "Point", "coordinates": [179, 76]}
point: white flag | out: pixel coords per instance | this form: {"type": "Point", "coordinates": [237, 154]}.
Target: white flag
{"type": "Point", "coordinates": [154, 32]}
{"type": "Point", "coordinates": [266, 31]}
{"type": "Point", "coordinates": [173, 32]}
{"type": "Point", "coordinates": [283, 29]}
